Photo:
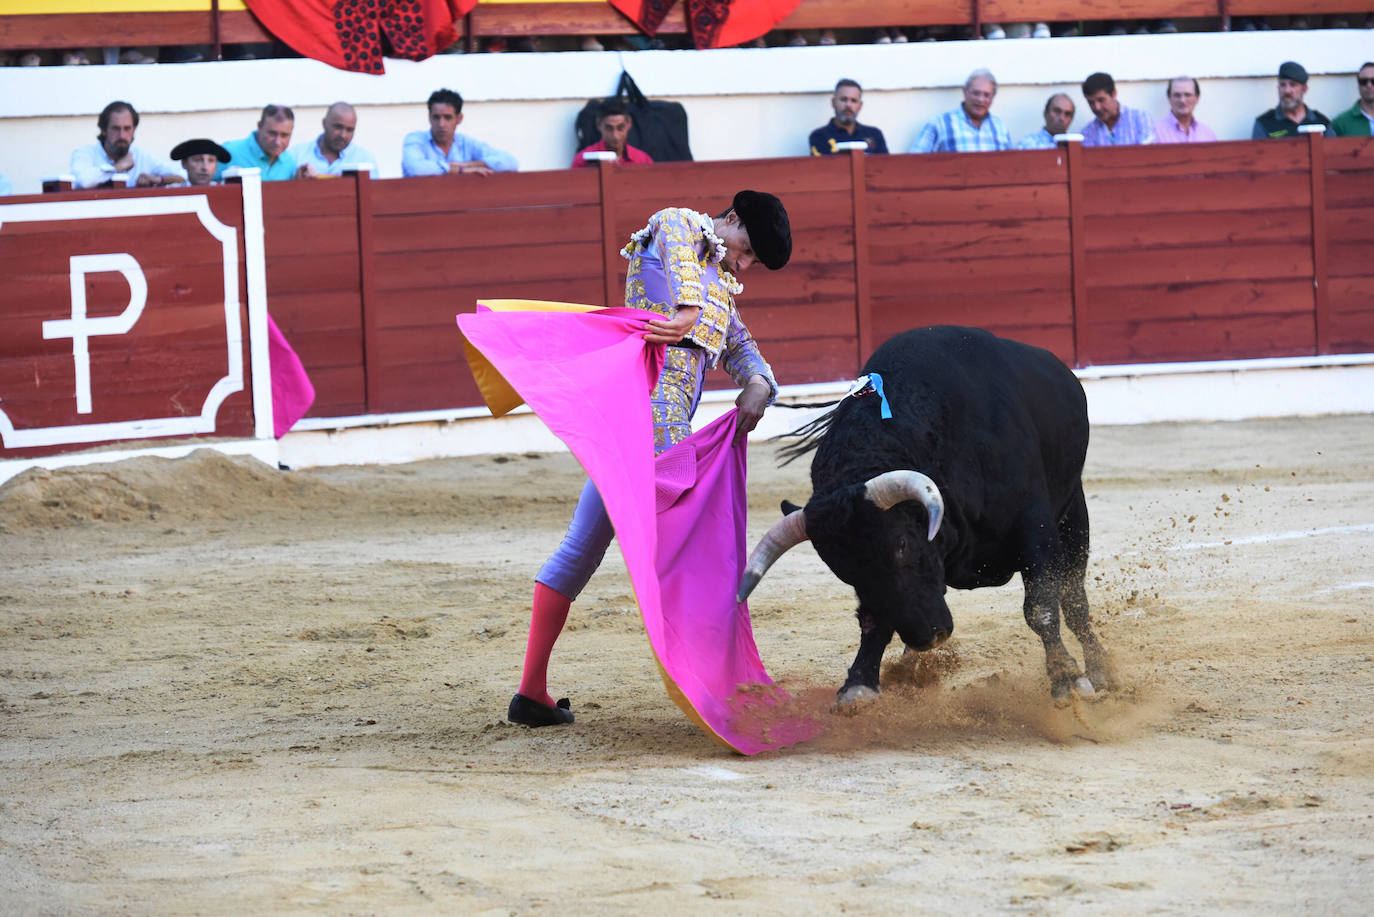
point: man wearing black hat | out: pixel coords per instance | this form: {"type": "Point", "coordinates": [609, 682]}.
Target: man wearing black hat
{"type": "Point", "coordinates": [683, 266]}
{"type": "Point", "coordinates": [200, 158]}
{"type": "Point", "coordinates": [1291, 112]}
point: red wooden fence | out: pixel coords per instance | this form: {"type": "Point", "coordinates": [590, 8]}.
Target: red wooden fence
{"type": "Point", "coordinates": [215, 27]}
{"type": "Point", "coordinates": [160, 264]}
{"type": "Point", "coordinates": [1105, 256]}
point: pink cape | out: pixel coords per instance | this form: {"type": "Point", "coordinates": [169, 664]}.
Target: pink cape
{"type": "Point", "coordinates": [679, 519]}
{"type": "Point", "coordinates": [292, 393]}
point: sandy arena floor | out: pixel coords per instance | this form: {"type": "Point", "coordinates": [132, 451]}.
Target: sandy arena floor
{"type": "Point", "coordinates": [229, 690]}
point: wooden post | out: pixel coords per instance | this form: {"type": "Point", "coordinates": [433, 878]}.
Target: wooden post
{"type": "Point", "coordinates": [1071, 146]}
{"type": "Point", "coordinates": [367, 294]}
{"type": "Point", "coordinates": [214, 31]}
{"type": "Point", "coordinates": [610, 253]}
{"type": "Point", "coordinates": [863, 306]}
{"type": "Point", "coordinates": [977, 14]}
{"type": "Point", "coordinates": [1224, 13]}
{"type": "Point", "coordinates": [469, 39]}
{"type": "Point", "coordinates": [1321, 301]}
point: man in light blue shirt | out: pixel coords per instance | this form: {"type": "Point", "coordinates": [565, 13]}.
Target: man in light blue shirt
{"type": "Point", "coordinates": [1059, 111]}
{"type": "Point", "coordinates": [334, 149]}
{"type": "Point", "coordinates": [116, 154]}
{"type": "Point", "coordinates": [970, 128]}
{"type": "Point", "coordinates": [265, 148]}
{"type": "Point", "coordinates": [440, 150]}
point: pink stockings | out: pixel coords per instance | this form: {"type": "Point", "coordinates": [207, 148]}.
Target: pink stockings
{"type": "Point", "coordinates": [550, 612]}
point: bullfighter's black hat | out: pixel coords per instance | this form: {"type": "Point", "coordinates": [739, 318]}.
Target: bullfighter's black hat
{"type": "Point", "coordinates": [198, 146]}
{"type": "Point", "coordinates": [765, 219]}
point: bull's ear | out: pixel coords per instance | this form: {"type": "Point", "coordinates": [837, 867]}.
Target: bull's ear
{"type": "Point", "coordinates": [789, 507]}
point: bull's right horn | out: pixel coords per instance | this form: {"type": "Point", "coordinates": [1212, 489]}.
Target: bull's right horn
{"type": "Point", "coordinates": [893, 487]}
{"type": "Point", "coordinates": [787, 532]}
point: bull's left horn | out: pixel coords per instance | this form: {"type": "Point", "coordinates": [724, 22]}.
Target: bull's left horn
{"type": "Point", "coordinates": [787, 532]}
{"type": "Point", "coordinates": [893, 487]}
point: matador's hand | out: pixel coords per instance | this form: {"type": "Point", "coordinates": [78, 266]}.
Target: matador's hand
{"type": "Point", "coordinates": [752, 402]}
{"type": "Point", "coordinates": [672, 330]}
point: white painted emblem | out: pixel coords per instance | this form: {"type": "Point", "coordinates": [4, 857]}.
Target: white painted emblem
{"type": "Point", "coordinates": [80, 328]}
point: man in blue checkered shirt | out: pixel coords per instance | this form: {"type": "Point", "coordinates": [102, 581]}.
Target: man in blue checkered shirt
{"type": "Point", "coordinates": [970, 128]}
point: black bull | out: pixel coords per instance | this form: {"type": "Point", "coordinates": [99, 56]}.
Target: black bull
{"type": "Point", "coordinates": [991, 434]}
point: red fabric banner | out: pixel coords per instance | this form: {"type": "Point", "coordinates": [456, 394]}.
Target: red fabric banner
{"type": "Point", "coordinates": [712, 23]}
{"type": "Point", "coordinates": [357, 34]}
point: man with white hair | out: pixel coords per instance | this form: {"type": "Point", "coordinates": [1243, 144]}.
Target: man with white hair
{"type": "Point", "coordinates": [970, 128]}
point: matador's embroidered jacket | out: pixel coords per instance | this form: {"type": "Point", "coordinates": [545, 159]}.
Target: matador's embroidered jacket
{"type": "Point", "coordinates": [674, 262]}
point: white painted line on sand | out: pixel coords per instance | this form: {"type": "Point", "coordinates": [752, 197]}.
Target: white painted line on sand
{"type": "Point", "coordinates": [1348, 587]}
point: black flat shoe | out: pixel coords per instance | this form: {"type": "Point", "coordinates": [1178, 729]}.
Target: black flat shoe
{"type": "Point", "coordinates": [528, 712]}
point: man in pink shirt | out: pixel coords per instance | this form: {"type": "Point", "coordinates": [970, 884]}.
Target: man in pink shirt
{"type": "Point", "coordinates": [614, 123]}
{"type": "Point", "coordinates": [1179, 125]}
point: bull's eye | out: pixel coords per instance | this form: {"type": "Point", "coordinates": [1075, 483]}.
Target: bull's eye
{"type": "Point", "coordinates": [899, 549]}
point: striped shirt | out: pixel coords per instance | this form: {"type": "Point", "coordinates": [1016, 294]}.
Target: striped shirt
{"type": "Point", "coordinates": [1132, 126]}
{"type": "Point", "coordinates": [1040, 140]}
{"type": "Point", "coordinates": [953, 132]}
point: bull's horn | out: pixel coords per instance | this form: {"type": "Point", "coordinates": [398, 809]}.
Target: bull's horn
{"type": "Point", "coordinates": [893, 487]}
{"type": "Point", "coordinates": [787, 532]}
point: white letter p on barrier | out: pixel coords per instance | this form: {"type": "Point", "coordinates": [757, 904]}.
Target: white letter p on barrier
{"type": "Point", "coordinates": [80, 328]}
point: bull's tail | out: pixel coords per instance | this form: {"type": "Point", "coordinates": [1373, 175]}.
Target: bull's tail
{"type": "Point", "coordinates": [808, 436]}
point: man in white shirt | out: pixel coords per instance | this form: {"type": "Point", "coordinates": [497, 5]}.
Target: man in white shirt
{"type": "Point", "coordinates": [334, 149]}
{"type": "Point", "coordinates": [115, 153]}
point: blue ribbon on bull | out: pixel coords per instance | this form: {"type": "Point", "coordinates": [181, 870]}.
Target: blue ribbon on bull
{"type": "Point", "coordinates": [867, 385]}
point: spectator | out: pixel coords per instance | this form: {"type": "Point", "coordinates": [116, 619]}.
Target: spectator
{"type": "Point", "coordinates": [328, 153]}
{"type": "Point", "coordinates": [1291, 112]}
{"type": "Point", "coordinates": [614, 123]}
{"type": "Point", "coordinates": [1179, 125]}
{"type": "Point", "coordinates": [1113, 124]}
{"type": "Point", "coordinates": [201, 159]}
{"type": "Point", "coordinates": [441, 150]}
{"type": "Point", "coordinates": [265, 148]}
{"type": "Point", "coordinates": [93, 165]}
{"type": "Point", "coordinates": [1358, 120]}
{"type": "Point", "coordinates": [1059, 112]}
{"type": "Point", "coordinates": [847, 101]}
{"type": "Point", "coordinates": [971, 127]}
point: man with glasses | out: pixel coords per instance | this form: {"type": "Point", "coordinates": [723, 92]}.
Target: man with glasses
{"type": "Point", "coordinates": [1292, 112]}
{"type": "Point", "coordinates": [970, 128]}
{"type": "Point", "coordinates": [1179, 125]}
{"type": "Point", "coordinates": [1358, 121]}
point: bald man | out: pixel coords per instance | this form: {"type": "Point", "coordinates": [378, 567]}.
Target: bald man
{"type": "Point", "coordinates": [334, 149]}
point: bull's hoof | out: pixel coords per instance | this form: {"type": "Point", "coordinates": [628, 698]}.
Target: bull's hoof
{"type": "Point", "coordinates": [1064, 691]}
{"type": "Point", "coordinates": [848, 700]}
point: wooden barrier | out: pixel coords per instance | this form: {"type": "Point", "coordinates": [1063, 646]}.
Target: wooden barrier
{"type": "Point", "coordinates": [125, 315]}
{"type": "Point", "coordinates": [215, 26]}
{"type": "Point", "coordinates": [1118, 255]}
{"type": "Point", "coordinates": [1103, 256]}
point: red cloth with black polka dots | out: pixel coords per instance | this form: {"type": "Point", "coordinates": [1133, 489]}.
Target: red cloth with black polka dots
{"type": "Point", "coordinates": [712, 23]}
{"type": "Point", "coordinates": [357, 34]}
